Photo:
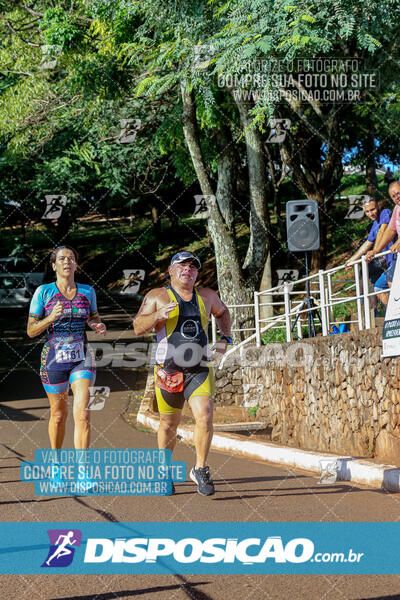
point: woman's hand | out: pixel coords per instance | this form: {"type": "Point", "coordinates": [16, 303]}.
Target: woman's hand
{"type": "Point", "coordinates": [98, 327]}
{"type": "Point", "coordinates": [56, 312]}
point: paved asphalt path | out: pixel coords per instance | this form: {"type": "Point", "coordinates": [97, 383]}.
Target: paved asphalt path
{"type": "Point", "coordinates": [246, 491]}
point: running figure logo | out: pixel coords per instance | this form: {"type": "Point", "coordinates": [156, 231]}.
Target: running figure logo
{"type": "Point", "coordinates": [54, 206]}
{"type": "Point", "coordinates": [355, 210]}
{"type": "Point", "coordinates": [278, 131]}
{"type": "Point", "coordinates": [329, 471]}
{"type": "Point", "coordinates": [62, 542]}
{"type": "Point", "coordinates": [203, 204]}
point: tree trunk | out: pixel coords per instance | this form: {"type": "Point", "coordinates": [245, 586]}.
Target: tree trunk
{"type": "Point", "coordinates": [266, 283]}
{"type": "Point", "coordinates": [226, 183]}
{"type": "Point", "coordinates": [319, 257]}
{"type": "Point", "coordinates": [259, 217]}
{"type": "Point", "coordinates": [313, 151]}
{"type": "Point", "coordinates": [63, 225]}
{"type": "Point", "coordinates": [230, 275]}
{"type": "Point", "coordinates": [371, 180]}
{"type": "Point", "coordinates": [156, 221]}
{"type": "Point", "coordinates": [23, 230]}
{"type": "Point", "coordinates": [230, 278]}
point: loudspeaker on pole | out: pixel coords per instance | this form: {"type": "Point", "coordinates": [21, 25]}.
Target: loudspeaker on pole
{"type": "Point", "coordinates": [302, 225]}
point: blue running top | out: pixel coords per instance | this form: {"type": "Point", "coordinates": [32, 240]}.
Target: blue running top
{"type": "Point", "coordinates": [71, 325]}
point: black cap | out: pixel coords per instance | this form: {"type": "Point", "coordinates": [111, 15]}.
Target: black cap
{"type": "Point", "coordinates": [182, 256]}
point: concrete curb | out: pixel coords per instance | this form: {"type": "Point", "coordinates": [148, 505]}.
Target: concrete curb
{"type": "Point", "coordinates": [362, 471]}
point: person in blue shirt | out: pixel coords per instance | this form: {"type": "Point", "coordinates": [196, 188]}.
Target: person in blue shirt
{"type": "Point", "coordinates": [377, 267]}
{"type": "Point", "coordinates": [62, 309]}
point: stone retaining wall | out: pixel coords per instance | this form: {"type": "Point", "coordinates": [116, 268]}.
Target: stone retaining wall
{"type": "Point", "coordinates": [333, 394]}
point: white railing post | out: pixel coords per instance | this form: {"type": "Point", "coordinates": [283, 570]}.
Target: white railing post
{"type": "Point", "coordinates": [257, 318]}
{"type": "Point", "coordinates": [329, 301]}
{"type": "Point", "coordinates": [322, 302]}
{"type": "Point", "coordinates": [365, 280]}
{"type": "Point", "coordinates": [327, 309]}
{"type": "Point", "coordinates": [286, 297]}
{"type": "Point", "coordinates": [213, 330]}
{"type": "Point", "coordinates": [358, 294]}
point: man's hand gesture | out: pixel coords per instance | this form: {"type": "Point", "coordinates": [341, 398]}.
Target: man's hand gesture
{"type": "Point", "coordinates": [163, 313]}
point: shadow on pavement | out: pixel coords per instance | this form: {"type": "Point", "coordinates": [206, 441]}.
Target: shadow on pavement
{"type": "Point", "coordinates": [291, 492]}
{"type": "Point", "coordinates": [394, 597]}
{"type": "Point", "coordinates": [248, 479]}
{"type": "Point", "coordinates": [188, 588]}
{"type": "Point", "coordinates": [25, 386]}
{"type": "Point", "coordinates": [32, 500]}
{"type": "Point", "coordinates": [13, 452]}
{"type": "Point", "coordinates": [8, 413]}
{"type": "Point", "coordinates": [103, 513]}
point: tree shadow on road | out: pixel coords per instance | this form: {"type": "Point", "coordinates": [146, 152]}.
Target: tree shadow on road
{"type": "Point", "coordinates": [188, 587]}
{"type": "Point", "coordinates": [232, 480]}
{"type": "Point", "coordinates": [392, 597]}
{"type": "Point", "coordinates": [308, 491]}
{"type": "Point", "coordinates": [32, 500]}
{"type": "Point", "coordinates": [8, 413]}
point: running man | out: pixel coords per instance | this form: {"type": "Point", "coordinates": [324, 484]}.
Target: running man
{"type": "Point", "coordinates": [62, 309]}
{"type": "Point", "coordinates": [179, 314]}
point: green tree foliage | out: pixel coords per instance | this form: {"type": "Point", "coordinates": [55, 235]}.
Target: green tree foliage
{"type": "Point", "coordinates": [59, 127]}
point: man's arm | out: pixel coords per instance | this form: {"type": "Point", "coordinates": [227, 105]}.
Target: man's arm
{"type": "Point", "coordinates": [387, 236]}
{"type": "Point", "coordinates": [149, 315]}
{"type": "Point", "coordinates": [223, 318]}
{"type": "Point", "coordinates": [380, 233]}
{"type": "Point", "coordinates": [363, 249]}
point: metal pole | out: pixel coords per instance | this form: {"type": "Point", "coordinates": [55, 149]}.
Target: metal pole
{"type": "Point", "coordinates": [299, 328]}
{"type": "Point", "coordinates": [358, 293]}
{"type": "Point", "coordinates": [286, 297]}
{"type": "Point", "coordinates": [257, 318]}
{"type": "Point", "coordinates": [322, 302]}
{"type": "Point", "coordinates": [365, 280]}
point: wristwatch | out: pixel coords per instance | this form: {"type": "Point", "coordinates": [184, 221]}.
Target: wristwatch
{"type": "Point", "coordinates": [226, 338]}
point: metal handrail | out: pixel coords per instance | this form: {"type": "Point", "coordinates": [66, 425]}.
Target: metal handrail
{"type": "Point", "coordinates": [324, 304]}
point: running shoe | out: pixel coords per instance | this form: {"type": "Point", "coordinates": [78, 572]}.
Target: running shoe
{"type": "Point", "coordinates": [202, 477]}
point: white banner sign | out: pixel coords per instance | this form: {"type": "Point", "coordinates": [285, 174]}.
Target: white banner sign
{"type": "Point", "coordinates": [391, 326]}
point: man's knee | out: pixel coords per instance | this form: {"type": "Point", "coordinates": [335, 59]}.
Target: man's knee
{"type": "Point", "coordinates": [204, 418]}
{"type": "Point", "coordinates": [169, 426]}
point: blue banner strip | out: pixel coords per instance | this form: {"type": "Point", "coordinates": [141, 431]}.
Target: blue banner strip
{"type": "Point", "coordinates": [103, 472]}
{"type": "Point", "coordinates": [199, 548]}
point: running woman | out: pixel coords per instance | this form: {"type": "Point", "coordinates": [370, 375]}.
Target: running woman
{"type": "Point", "coordinates": [62, 309]}
{"type": "Point", "coordinates": [180, 314]}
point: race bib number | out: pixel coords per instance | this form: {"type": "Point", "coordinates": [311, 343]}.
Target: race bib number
{"type": "Point", "coordinates": [67, 353]}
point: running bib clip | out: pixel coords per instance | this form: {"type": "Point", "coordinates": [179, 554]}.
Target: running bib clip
{"type": "Point", "coordinates": [170, 382]}
{"type": "Point", "coordinates": [67, 353]}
